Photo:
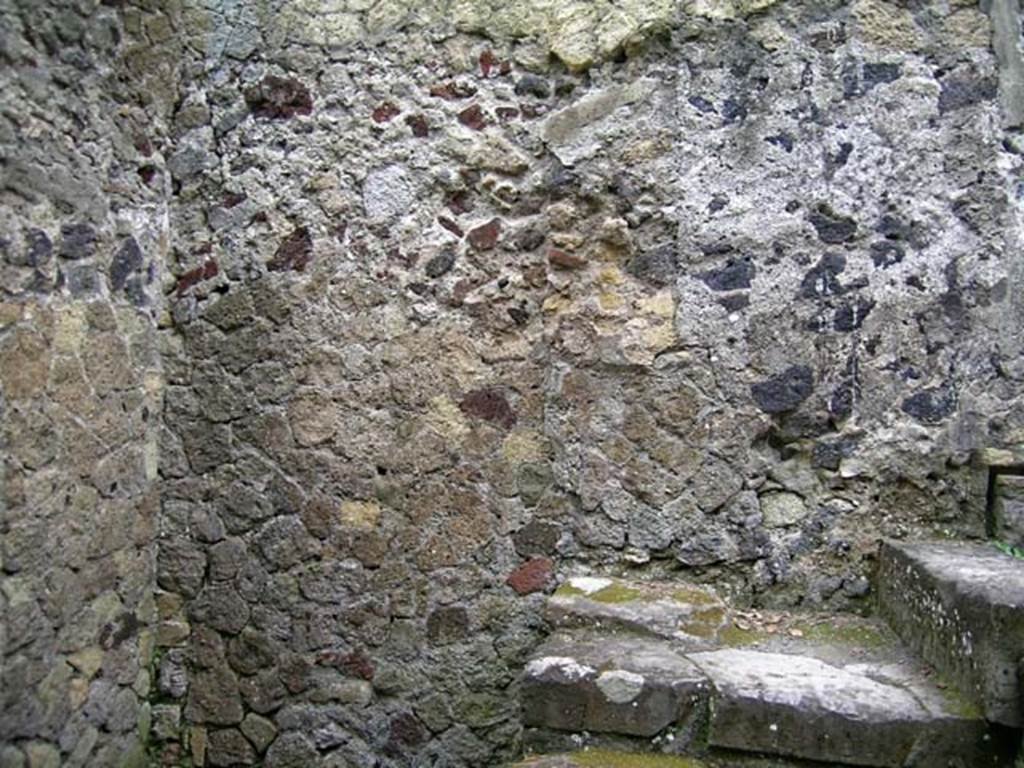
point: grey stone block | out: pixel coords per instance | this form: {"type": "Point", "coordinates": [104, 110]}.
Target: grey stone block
{"type": "Point", "coordinates": [961, 606]}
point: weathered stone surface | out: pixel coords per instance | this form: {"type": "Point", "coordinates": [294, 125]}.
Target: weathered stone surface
{"type": "Point", "coordinates": [961, 606]}
{"type": "Point", "coordinates": [1008, 509]}
{"type": "Point", "coordinates": [661, 609]}
{"type": "Point", "coordinates": [241, 309]}
{"type": "Point", "coordinates": [629, 685]}
{"type": "Point", "coordinates": [803, 707]}
{"type": "Point", "coordinates": [228, 747]}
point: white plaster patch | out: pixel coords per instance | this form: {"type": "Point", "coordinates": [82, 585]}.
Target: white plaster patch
{"type": "Point", "coordinates": [589, 584]}
{"type": "Point", "coordinates": [619, 686]}
{"type": "Point", "coordinates": [568, 666]}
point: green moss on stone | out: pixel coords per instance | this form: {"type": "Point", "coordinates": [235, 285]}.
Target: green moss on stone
{"type": "Point", "coordinates": [568, 590]}
{"type": "Point", "coordinates": [600, 758]}
{"type": "Point", "coordinates": [734, 636]}
{"type": "Point", "coordinates": [616, 593]}
{"type": "Point", "coordinates": [957, 703]}
{"type": "Point", "coordinates": [860, 635]}
{"type": "Point", "coordinates": [694, 596]}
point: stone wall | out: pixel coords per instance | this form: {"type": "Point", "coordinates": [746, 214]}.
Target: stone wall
{"type": "Point", "coordinates": [83, 235]}
{"type": "Point", "coordinates": [443, 301]}
{"type": "Point", "coordinates": [470, 297]}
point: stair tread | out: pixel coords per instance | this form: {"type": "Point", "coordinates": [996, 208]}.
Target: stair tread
{"type": "Point", "coordinates": [605, 758]}
{"type": "Point", "coordinates": [974, 568]}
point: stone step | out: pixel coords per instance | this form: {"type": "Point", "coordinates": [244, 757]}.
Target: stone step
{"type": "Point", "coordinates": [960, 605]}
{"type": "Point", "coordinates": [625, 663]}
{"type": "Point", "coordinates": [660, 609]}
{"type": "Point", "coordinates": [607, 758]}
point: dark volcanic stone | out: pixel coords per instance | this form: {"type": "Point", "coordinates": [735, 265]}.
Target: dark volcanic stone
{"type": "Point", "coordinates": [279, 98]}
{"type": "Point", "coordinates": [701, 104]}
{"type": "Point", "coordinates": [876, 74]}
{"type": "Point", "coordinates": [782, 140]}
{"type": "Point", "coordinates": [536, 538]}
{"type": "Point", "coordinates": [785, 391]}
{"type": "Point", "coordinates": [736, 274]}
{"type": "Point", "coordinates": [931, 405]}
{"type": "Point", "coordinates": [440, 265]}
{"type": "Point", "coordinates": [831, 227]}
{"type": "Point", "coordinates": [405, 732]}
{"type": "Point", "coordinates": [886, 254]}
{"type": "Point", "coordinates": [38, 248]}
{"type": "Point", "coordinates": [77, 241]}
{"type": "Point", "coordinates": [734, 302]}
{"type": "Point", "coordinates": [447, 625]}
{"type": "Point", "coordinates": [533, 85]}
{"type": "Point", "coordinates": [294, 253]}
{"type": "Point", "coordinates": [961, 92]}
{"type": "Point", "coordinates": [821, 280]}
{"type": "Point", "coordinates": [850, 317]}
{"type": "Point", "coordinates": [657, 266]}
{"type": "Point", "coordinates": [127, 260]}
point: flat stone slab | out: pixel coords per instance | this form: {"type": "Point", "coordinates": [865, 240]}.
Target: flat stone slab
{"type": "Point", "coordinates": [606, 758]}
{"type": "Point", "coordinates": [628, 685]}
{"type": "Point", "coordinates": [660, 609]}
{"type": "Point", "coordinates": [854, 714]}
{"type": "Point", "coordinates": [960, 605]}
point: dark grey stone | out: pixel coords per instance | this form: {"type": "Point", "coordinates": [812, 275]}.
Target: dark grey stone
{"type": "Point", "coordinates": [734, 275]}
{"type": "Point", "coordinates": [77, 241]}
{"type": "Point", "coordinates": [658, 265]}
{"type": "Point", "coordinates": [831, 227]}
{"type": "Point", "coordinates": [931, 405]}
{"type": "Point", "coordinates": [126, 261]}
{"type": "Point", "coordinates": [213, 697]}
{"type": "Point", "coordinates": [228, 747]}
{"type": "Point", "coordinates": [291, 750]}
{"type": "Point", "coordinates": [785, 391]}
{"type": "Point", "coordinates": [533, 85]}
{"type": "Point", "coordinates": [441, 264]}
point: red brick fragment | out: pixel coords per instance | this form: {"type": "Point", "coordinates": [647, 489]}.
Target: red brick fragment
{"type": "Point", "coordinates": [532, 576]}
{"type": "Point", "coordinates": [488, 61]}
{"type": "Point", "coordinates": [473, 117]}
{"type": "Point", "coordinates": [490, 405]}
{"type": "Point", "coordinates": [452, 91]}
{"type": "Point", "coordinates": [294, 253]}
{"type": "Point", "coordinates": [460, 202]}
{"type": "Point", "coordinates": [485, 237]}
{"type": "Point", "coordinates": [565, 260]}
{"type": "Point", "coordinates": [194, 276]}
{"type": "Point", "coordinates": [385, 112]}
{"type": "Point", "coordinates": [418, 124]}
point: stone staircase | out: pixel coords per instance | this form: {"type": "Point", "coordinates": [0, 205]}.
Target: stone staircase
{"type": "Point", "coordinates": [641, 673]}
